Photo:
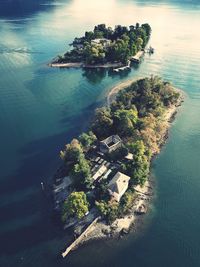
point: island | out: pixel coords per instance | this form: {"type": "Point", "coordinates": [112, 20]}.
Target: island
{"type": "Point", "coordinates": [103, 184]}
{"type": "Point", "coordinates": [105, 47]}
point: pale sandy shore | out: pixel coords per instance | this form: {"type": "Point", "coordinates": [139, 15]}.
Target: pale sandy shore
{"type": "Point", "coordinates": [114, 91]}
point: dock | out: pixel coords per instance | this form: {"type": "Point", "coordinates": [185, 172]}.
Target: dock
{"type": "Point", "coordinates": [75, 244]}
{"type": "Point", "coordinates": [127, 67]}
{"type": "Point", "coordinates": [137, 57]}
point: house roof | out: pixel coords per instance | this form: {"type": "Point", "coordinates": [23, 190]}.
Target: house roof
{"type": "Point", "coordinates": [129, 156]}
{"type": "Point", "coordinates": [111, 140]}
{"type": "Point", "coordinates": [99, 40]}
{"type": "Point", "coordinates": [118, 185]}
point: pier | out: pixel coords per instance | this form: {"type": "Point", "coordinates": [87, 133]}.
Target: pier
{"type": "Point", "coordinates": [137, 57]}
{"type": "Point", "coordinates": [75, 244]}
{"type": "Point", "coordinates": [127, 67]}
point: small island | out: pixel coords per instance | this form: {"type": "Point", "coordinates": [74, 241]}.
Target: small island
{"type": "Point", "coordinates": [106, 47]}
{"type": "Point", "coordinates": [103, 184]}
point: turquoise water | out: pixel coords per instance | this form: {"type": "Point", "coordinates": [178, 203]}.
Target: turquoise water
{"type": "Point", "coordinates": [41, 109]}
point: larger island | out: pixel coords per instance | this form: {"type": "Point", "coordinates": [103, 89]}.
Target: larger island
{"type": "Point", "coordinates": [106, 47]}
{"type": "Point", "coordinates": [103, 182]}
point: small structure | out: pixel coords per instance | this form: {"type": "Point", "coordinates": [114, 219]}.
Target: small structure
{"type": "Point", "coordinates": [105, 42]}
{"type": "Point", "coordinates": [110, 144]}
{"type": "Point", "coordinates": [137, 57]}
{"type": "Point", "coordinates": [129, 156]}
{"type": "Point", "coordinates": [118, 185]}
{"type": "Point", "coordinates": [141, 209]}
{"type": "Point", "coordinates": [127, 67]}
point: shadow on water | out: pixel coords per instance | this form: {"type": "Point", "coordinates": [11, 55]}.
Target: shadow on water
{"type": "Point", "coordinates": [85, 117]}
{"type": "Point", "coordinates": [30, 215]}
{"type": "Point", "coordinates": [94, 76]}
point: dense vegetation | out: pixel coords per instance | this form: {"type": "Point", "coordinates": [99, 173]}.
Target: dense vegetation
{"type": "Point", "coordinates": [137, 116]}
{"type": "Point", "coordinates": [114, 45]}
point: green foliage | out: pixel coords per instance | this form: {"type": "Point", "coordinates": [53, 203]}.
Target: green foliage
{"type": "Point", "coordinates": [149, 95]}
{"type": "Point", "coordinates": [102, 125]}
{"type": "Point", "coordinates": [94, 53]}
{"type": "Point", "coordinates": [123, 42]}
{"type": "Point", "coordinates": [76, 205]}
{"type": "Point", "coordinates": [137, 148]}
{"type": "Point", "coordinates": [137, 116]}
{"type": "Point", "coordinates": [72, 152]}
{"type": "Point", "coordinates": [138, 169]}
{"type": "Point", "coordinates": [81, 174]}
{"type": "Point", "coordinates": [119, 153]}
{"type": "Point", "coordinates": [102, 207]}
{"type": "Point", "coordinates": [125, 121]}
{"type": "Point", "coordinates": [127, 201]}
{"type": "Point", "coordinates": [87, 139]}
{"type": "Point", "coordinates": [109, 210]}
{"type": "Point", "coordinates": [101, 190]}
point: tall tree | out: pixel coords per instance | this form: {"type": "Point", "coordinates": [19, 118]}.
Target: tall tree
{"type": "Point", "coordinates": [76, 205]}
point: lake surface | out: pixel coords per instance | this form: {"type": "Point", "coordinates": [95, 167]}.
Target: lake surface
{"type": "Point", "coordinates": [41, 109]}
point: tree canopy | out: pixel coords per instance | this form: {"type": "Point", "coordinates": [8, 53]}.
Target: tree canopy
{"type": "Point", "coordinates": [72, 152]}
{"type": "Point", "coordinates": [76, 205]}
{"type": "Point", "coordinates": [113, 45]}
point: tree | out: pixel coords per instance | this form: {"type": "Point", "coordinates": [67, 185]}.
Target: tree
{"type": "Point", "coordinates": [89, 36]}
{"type": "Point", "coordinates": [133, 49]}
{"type": "Point", "coordinates": [139, 43]}
{"type": "Point", "coordinates": [119, 153]}
{"type": "Point", "coordinates": [138, 170]}
{"type": "Point", "coordinates": [93, 53]}
{"type": "Point", "coordinates": [109, 210]}
{"type": "Point", "coordinates": [125, 121]}
{"type": "Point", "coordinates": [147, 28]}
{"type": "Point", "coordinates": [72, 152]}
{"type": "Point", "coordinates": [87, 139]}
{"type": "Point", "coordinates": [101, 190]}
{"type": "Point", "coordinates": [76, 205]}
{"type": "Point", "coordinates": [102, 125]}
{"type": "Point", "coordinates": [81, 173]}
{"type": "Point", "coordinates": [103, 207]}
{"type": "Point", "coordinates": [137, 148]}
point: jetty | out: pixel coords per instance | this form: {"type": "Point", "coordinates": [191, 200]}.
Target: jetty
{"type": "Point", "coordinates": [66, 65]}
{"type": "Point", "coordinates": [80, 239]}
{"type": "Point", "coordinates": [127, 67]}
{"type": "Point", "coordinates": [137, 57]}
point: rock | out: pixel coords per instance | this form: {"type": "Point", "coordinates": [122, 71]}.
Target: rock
{"type": "Point", "coordinates": [142, 209]}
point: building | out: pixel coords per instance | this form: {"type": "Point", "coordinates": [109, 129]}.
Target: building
{"type": "Point", "coordinates": [118, 186]}
{"type": "Point", "coordinates": [129, 156]}
{"type": "Point", "coordinates": [105, 42]}
{"type": "Point", "coordinates": [110, 144]}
